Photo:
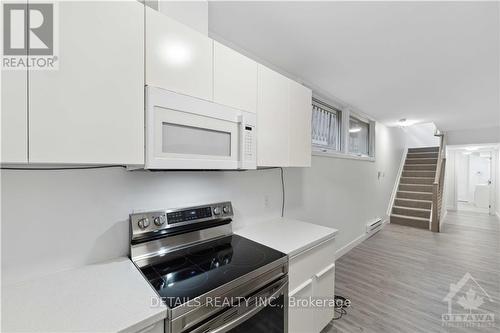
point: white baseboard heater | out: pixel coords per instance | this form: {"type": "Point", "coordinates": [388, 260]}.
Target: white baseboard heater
{"type": "Point", "coordinates": [374, 226]}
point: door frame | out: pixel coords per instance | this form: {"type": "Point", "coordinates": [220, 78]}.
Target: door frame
{"type": "Point", "coordinates": [452, 152]}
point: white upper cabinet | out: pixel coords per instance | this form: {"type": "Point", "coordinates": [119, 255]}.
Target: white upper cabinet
{"type": "Point", "coordinates": [178, 58]}
{"type": "Point", "coordinates": [235, 79]}
{"type": "Point", "coordinates": [300, 125]}
{"type": "Point", "coordinates": [284, 121]}
{"type": "Point", "coordinates": [14, 116]}
{"type": "Point", "coordinates": [272, 118]}
{"type": "Point", "coordinates": [91, 110]}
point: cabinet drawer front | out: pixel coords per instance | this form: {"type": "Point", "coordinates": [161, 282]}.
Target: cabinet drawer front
{"type": "Point", "coordinates": [310, 262]}
{"type": "Point", "coordinates": [323, 289]}
{"type": "Point", "coordinates": [301, 319]}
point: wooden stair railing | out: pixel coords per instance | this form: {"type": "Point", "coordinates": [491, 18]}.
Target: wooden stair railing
{"type": "Point", "coordinates": [437, 188]}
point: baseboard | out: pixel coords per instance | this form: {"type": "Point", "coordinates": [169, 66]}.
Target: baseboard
{"type": "Point", "coordinates": [358, 240]}
{"type": "Point", "coordinates": [441, 220]}
{"type": "Point", "coordinates": [346, 248]}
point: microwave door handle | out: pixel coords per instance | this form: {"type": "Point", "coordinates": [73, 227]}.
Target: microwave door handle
{"type": "Point", "coordinates": [246, 315]}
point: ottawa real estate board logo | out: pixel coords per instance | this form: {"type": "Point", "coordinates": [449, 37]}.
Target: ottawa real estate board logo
{"type": "Point", "coordinates": [29, 37]}
{"type": "Point", "coordinates": [469, 299]}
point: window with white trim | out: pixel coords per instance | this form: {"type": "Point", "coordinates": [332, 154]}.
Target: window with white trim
{"type": "Point", "coordinates": [359, 136]}
{"type": "Point", "coordinates": [339, 132]}
{"type": "Point", "coordinates": [326, 122]}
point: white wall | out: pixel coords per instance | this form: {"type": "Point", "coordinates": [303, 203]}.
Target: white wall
{"type": "Point", "coordinates": [345, 193]}
{"type": "Point", "coordinates": [421, 135]}
{"type": "Point", "coordinates": [56, 220]}
{"type": "Point", "coordinates": [476, 136]}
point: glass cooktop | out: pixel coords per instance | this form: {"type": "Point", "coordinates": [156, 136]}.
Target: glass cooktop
{"type": "Point", "coordinates": [191, 272]}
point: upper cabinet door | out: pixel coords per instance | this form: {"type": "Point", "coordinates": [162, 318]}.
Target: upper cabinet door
{"type": "Point", "coordinates": [91, 110]}
{"type": "Point", "coordinates": [14, 116]}
{"type": "Point", "coordinates": [178, 58]}
{"type": "Point", "coordinates": [272, 118]}
{"type": "Point", "coordinates": [300, 125]}
{"type": "Point", "coordinates": [235, 79]}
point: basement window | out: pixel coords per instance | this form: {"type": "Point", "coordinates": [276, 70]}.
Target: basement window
{"type": "Point", "coordinates": [326, 122]}
{"type": "Point", "coordinates": [359, 137]}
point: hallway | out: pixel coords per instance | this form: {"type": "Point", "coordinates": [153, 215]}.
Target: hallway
{"type": "Point", "coordinates": [398, 278]}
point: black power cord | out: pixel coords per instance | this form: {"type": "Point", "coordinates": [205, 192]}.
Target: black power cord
{"type": "Point", "coordinates": [341, 303]}
{"type": "Point", "coordinates": [282, 193]}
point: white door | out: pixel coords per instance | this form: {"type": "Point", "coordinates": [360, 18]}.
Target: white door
{"type": "Point", "coordinates": [178, 58]}
{"type": "Point", "coordinates": [300, 315]}
{"type": "Point", "coordinates": [474, 180]}
{"type": "Point", "coordinates": [235, 79]}
{"type": "Point", "coordinates": [272, 118]}
{"type": "Point", "coordinates": [91, 110]}
{"type": "Point", "coordinates": [300, 125]}
{"type": "Point", "coordinates": [323, 289]}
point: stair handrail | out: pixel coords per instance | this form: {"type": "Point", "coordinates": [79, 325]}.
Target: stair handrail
{"type": "Point", "coordinates": [437, 187]}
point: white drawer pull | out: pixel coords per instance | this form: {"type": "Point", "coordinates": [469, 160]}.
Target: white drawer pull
{"type": "Point", "coordinates": [324, 271]}
{"type": "Point", "coordinates": [300, 287]}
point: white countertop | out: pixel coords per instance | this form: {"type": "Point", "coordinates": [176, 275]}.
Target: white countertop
{"type": "Point", "coordinates": [107, 297]}
{"type": "Point", "coordinates": [286, 235]}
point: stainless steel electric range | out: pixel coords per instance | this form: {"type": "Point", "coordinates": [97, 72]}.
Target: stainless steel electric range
{"type": "Point", "coordinates": [210, 279]}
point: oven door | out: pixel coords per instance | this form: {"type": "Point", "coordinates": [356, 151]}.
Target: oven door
{"type": "Point", "coordinates": [184, 132]}
{"type": "Point", "coordinates": [264, 312]}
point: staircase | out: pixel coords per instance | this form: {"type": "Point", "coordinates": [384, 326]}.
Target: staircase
{"type": "Point", "coordinates": [413, 203]}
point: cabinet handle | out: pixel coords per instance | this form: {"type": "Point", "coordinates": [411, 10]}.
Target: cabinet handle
{"type": "Point", "coordinates": [300, 287]}
{"type": "Point", "coordinates": [324, 271]}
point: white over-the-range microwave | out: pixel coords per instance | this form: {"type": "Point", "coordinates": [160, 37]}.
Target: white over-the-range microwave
{"type": "Point", "coordinates": [184, 132]}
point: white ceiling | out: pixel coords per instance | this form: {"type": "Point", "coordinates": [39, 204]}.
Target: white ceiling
{"type": "Point", "coordinates": [422, 61]}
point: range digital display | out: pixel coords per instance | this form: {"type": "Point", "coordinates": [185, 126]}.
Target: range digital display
{"type": "Point", "coordinates": [189, 215]}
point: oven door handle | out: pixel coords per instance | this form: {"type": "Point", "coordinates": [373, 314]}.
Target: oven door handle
{"type": "Point", "coordinates": [223, 326]}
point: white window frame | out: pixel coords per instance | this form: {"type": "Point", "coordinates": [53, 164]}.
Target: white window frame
{"type": "Point", "coordinates": [345, 114]}
{"type": "Point", "coordinates": [338, 111]}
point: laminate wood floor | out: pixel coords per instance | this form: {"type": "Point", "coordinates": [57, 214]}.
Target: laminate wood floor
{"type": "Point", "coordinates": [398, 278]}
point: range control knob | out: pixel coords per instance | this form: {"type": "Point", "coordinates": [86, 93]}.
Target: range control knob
{"type": "Point", "coordinates": [226, 209]}
{"type": "Point", "coordinates": [143, 223]}
{"type": "Point", "coordinates": [217, 211]}
{"type": "Point", "coordinates": [159, 220]}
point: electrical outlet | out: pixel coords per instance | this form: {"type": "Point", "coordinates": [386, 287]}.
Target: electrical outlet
{"type": "Point", "coordinates": [266, 201]}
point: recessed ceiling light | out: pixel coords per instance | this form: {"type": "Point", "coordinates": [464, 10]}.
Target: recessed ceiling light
{"type": "Point", "coordinates": [472, 148]}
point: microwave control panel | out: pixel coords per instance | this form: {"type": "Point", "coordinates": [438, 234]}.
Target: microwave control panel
{"type": "Point", "coordinates": [248, 157]}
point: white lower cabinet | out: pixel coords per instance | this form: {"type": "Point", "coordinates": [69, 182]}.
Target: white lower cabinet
{"type": "Point", "coordinates": [300, 316]}
{"type": "Point", "coordinates": [312, 277]}
{"type": "Point", "coordinates": [323, 289]}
